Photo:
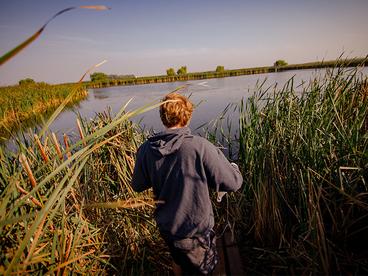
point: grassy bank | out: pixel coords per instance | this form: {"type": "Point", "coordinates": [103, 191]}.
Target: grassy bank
{"type": "Point", "coordinates": [22, 104]}
{"type": "Point", "coordinates": [227, 73]}
{"type": "Point", "coordinates": [302, 209]}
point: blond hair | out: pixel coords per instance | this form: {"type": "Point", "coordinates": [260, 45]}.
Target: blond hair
{"type": "Point", "coordinates": [176, 110]}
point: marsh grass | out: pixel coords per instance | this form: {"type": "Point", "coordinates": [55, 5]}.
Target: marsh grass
{"type": "Point", "coordinates": [305, 163]}
{"type": "Point", "coordinates": [21, 105]}
{"type": "Point", "coordinates": [131, 233]}
{"type": "Point", "coordinates": [53, 218]}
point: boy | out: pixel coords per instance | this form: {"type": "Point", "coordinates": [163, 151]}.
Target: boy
{"type": "Point", "coordinates": [181, 167]}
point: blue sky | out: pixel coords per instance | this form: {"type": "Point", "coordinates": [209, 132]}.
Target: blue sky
{"type": "Point", "coordinates": [145, 37]}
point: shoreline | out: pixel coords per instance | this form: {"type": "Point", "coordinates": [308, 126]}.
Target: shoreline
{"type": "Point", "coordinates": [25, 105]}
{"type": "Point", "coordinates": [226, 73]}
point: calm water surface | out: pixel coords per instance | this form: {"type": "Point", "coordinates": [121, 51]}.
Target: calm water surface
{"type": "Point", "coordinates": [212, 96]}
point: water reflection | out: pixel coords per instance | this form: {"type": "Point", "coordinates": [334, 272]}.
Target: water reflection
{"type": "Point", "coordinates": [100, 95]}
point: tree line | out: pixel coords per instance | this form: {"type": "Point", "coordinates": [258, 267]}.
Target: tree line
{"type": "Point", "coordinates": [100, 79]}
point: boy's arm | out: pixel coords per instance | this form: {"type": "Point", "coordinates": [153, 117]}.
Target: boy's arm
{"type": "Point", "coordinates": [221, 174]}
{"type": "Point", "coordinates": [140, 181]}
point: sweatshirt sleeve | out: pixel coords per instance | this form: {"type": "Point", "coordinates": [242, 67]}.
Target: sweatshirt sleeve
{"type": "Point", "coordinates": [221, 174]}
{"type": "Point", "coordinates": [140, 181]}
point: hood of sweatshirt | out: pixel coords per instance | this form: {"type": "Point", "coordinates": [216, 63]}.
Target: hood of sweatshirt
{"type": "Point", "coordinates": [168, 141]}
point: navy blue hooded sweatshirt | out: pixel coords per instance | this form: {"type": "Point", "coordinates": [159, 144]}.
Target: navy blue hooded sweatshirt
{"type": "Point", "coordinates": [181, 167]}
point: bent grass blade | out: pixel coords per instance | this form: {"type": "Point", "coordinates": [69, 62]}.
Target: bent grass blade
{"type": "Point", "coordinates": [33, 37]}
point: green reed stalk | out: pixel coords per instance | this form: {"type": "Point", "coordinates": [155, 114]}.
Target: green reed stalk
{"type": "Point", "coordinates": [292, 146]}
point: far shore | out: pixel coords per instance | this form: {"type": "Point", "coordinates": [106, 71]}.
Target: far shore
{"type": "Point", "coordinates": [225, 73]}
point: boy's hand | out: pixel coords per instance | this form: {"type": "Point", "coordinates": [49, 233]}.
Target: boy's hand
{"type": "Point", "coordinates": [220, 196]}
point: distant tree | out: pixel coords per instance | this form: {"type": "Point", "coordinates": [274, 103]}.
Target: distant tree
{"type": "Point", "coordinates": [280, 62]}
{"type": "Point", "coordinates": [170, 72]}
{"type": "Point", "coordinates": [26, 81]}
{"type": "Point", "coordinates": [98, 76]}
{"type": "Point", "coordinates": [220, 69]}
{"type": "Point", "coordinates": [182, 70]}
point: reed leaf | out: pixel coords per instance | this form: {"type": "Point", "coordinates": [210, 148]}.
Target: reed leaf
{"type": "Point", "coordinates": [33, 37]}
{"type": "Point", "coordinates": [67, 99]}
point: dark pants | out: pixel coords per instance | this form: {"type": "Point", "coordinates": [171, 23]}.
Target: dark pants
{"type": "Point", "coordinates": [196, 255]}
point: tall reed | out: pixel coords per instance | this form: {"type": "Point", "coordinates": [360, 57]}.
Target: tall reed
{"type": "Point", "coordinates": [305, 163]}
{"type": "Point", "coordinates": [70, 209]}
{"type": "Point", "coordinates": [133, 241]}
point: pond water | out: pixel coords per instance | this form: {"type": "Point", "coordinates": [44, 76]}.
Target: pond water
{"type": "Point", "coordinates": [212, 96]}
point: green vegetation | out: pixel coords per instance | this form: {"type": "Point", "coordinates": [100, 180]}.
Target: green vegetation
{"type": "Point", "coordinates": [26, 102]}
{"type": "Point", "coordinates": [182, 70]}
{"type": "Point", "coordinates": [220, 69]}
{"type": "Point", "coordinates": [279, 63]}
{"type": "Point", "coordinates": [302, 209]}
{"type": "Point", "coordinates": [102, 77]}
{"type": "Point", "coordinates": [305, 163]}
{"type": "Point", "coordinates": [116, 77]}
{"type": "Point", "coordinates": [98, 77]}
{"type": "Point", "coordinates": [170, 72]}
{"type": "Point", "coordinates": [183, 75]}
{"type": "Point", "coordinates": [68, 208]}
{"type": "Point", "coordinates": [26, 81]}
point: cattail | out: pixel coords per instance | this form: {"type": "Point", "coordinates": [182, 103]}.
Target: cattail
{"type": "Point", "coordinates": [45, 143]}
{"type": "Point", "coordinates": [41, 148]}
{"type": "Point", "coordinates": [23, 160]}
{"type": "Point", "coordinates": [81, 132]}
{"type": "Point", "coordinates": [130, 160]}
{"type": "Point", "coordinates": [95, 7]}
{"type": "Point", "coordinates": [57, 147]}
{"type": "Point", "coordinates": [70, 240]}
{"type": "Point", "coordinates": [34, 200]}
{"type": "Point", "coordinates": [67, 146]}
